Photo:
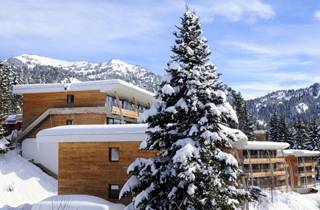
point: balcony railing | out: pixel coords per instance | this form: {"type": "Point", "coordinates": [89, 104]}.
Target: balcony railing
{"type": "Point", "coordinates": [125, 112]}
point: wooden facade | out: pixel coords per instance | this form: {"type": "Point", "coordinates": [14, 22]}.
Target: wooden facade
{"type": "Point", "coordinates": [45, 110]}
{"type": "Point", "coordinates": [86, 168]}
{"type": "Point", "coordinates": [264, 169]}
{"type": "Point", "coordinates": [302, 171]}
{"type": "Point", "coordinates": [37, 103]}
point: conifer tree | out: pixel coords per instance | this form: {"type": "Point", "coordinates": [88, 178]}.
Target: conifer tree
{"type": "Point", "coordinates": [283, 130]}
{"type": "Point", "coordinates": [188, 127]}
{"type": "Point", "coordinates": [245, 123]}
{"type": "Point", "coordinates": [273, 134]}
{"type": "Point", "coordinates": [300, 135]}
{"type": "Point", "coordinates": [290, 137]}
{"type": "Point", "coordinates": [9, 103]}
{"type": "Point", "coordinates": [313, 141]}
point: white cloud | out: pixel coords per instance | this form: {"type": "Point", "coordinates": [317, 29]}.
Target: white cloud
{"type": "Point", "coordinates": [235, 10]}
{"type": "Point", "coordinates": [317, 15]}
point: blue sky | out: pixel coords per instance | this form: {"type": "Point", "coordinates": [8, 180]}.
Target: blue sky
{"type": "Point", "coordinates": [259, 46]}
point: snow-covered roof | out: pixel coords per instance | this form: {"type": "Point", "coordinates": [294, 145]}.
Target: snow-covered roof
{"type": "Point", "coordinates": [12, 119]}
{"type": "Point", "coordinates": [265, 145]}
{"type": "Point", "coordinates": [133, 132]}
{"type": "Point", "coordinates": [97, 133]}
{"type": "Point", "coordinates": [298, 153]}
{"type": "Point", "coordinates": [112, 87]}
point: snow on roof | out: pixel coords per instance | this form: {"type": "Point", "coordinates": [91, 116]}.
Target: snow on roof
{"type": "Point", "coordinates": [112, 87]}
{"type": "Point", "coordinates": [79, 202]}
{"type": "Point", "coordinates": [12, 119]}
{"type": "Point", "coordinates": [265, 145]}
{"type": "Point", "coordinates": [298, 153]}
{"type": "Point", "coordinates": [87, 133]}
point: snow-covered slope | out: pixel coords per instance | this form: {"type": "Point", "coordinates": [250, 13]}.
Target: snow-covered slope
{"type": "Point", "coordinates": [39, 69]}
{"type": "Point", "coordinates": [302, 103]}
{"type": "Point", "coordinates": [287, 201]}
{"type": "Point", "coordinates": [22, 183]}
{"type": "Point", "coordinates": [33, 60]}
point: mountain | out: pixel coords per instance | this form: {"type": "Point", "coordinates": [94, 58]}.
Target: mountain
{"type": "Point", "coordinates": [39, 69]}
{"type": "Point", "coordinates": [301, 104]}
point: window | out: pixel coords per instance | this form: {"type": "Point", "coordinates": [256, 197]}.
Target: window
{"type": "Point", "coordinates": [113, 121]}
{"type": "Point", "coordinates": [70, 99]}
{"type": "Point", "coordinates": [69, 122]}
{"type": "Point", "coordinates": [114, 154]}
{"type": "Point", "coordinates": [114, 191]}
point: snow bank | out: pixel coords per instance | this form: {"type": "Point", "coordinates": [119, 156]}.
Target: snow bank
{"type": "Point", "coordinates": [22, 183]}
{"type": "Point", "coordinates": [78, 202]}
{"type": "Point", "coordinates": [287, 201]}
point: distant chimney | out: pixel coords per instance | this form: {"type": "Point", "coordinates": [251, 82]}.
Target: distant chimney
{"type": "Point", "coordinates": [261, 135]}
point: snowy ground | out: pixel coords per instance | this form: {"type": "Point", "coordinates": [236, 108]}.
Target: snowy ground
{"type": "Point", "coordinates": [22, 183]}
{"type": "Point", "coordinates": [288, 201]}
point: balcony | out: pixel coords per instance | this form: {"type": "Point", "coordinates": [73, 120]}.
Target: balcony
{"type": "Point", "coordinates": [125, 112]}
{"type": "Point", "coordinates": [263, 160]}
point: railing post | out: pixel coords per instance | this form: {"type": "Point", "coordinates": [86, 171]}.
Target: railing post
{"type": "Point", "coordinates": [120, 108]}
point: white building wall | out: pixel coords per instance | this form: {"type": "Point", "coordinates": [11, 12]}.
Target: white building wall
{"type": "Point", "coordinates": [45, 154]}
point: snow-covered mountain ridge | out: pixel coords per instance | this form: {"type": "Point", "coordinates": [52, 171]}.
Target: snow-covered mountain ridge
{"type": "Point", "coordinates": [303, 103]}
{"type": "Point", "coordinates": [39, 69]}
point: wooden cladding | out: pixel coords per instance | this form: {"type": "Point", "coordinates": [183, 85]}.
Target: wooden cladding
{"type": "Point", "coordinates": [266, 174]}
{"type": "Point", "coordinates": [35, 104]}
{"type": "Point", "coordinates": [125, 112]}
{"type": "Point", "coordinates": [85, 167]}
{"type": "Point", "coordinates": [263, 160]}
{"type": "Point", "coordinates": [78, 119]}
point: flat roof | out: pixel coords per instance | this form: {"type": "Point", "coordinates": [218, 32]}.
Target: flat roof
{"type": "Point", "coordinates": [131, 132]}
{"type": "Point", "coordinates": [299, 153]}
{"type": "Point", "coordinates": [265, 145]}
{"type": "Point", "coordinates": [93, 133]}
{"type": "Point", "coordinates": [111, 87]}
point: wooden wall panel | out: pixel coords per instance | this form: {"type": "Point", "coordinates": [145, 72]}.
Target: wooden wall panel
{"type": "Point", "coordinates": [78, 119]}
{"type": "Point", "coordinates": [35, 104]}
{"type": "Point", "coordinates": [84, 167]}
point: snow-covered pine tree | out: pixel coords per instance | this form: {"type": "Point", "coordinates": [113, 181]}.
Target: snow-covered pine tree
{"type": "Point", "coordinates": [245, 123]}
{"type": "Point", "coordinates": [188, 127]}
{"type": "Point", "coordinates": [313, 141]}
{"type": "Point", "coordinates": [290, 137]}
{"type": "Point", "coordinates": [300, 135]}
{"type": "Point", "coordinates": [9, 103]}
{"type": "Point", "coordinates": [283, 129]}
{"type": "Point", "coordinates": [4, 145]}
{"type": "Point", "coordinates": [273, 133]}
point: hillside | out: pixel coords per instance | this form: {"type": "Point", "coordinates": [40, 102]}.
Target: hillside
{"type": "Point", "coordinates": [302, 103]}
{"type": "Point", "coordinates": [39, 69]}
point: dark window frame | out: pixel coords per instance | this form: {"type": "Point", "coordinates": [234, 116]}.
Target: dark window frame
{"type": "Point", "coordinates": [70, 99]}
{"type": "Point", "coordinates": [110, 154]}
{"type": "Point", "coordinates": [69, 120]}
{"type": "Point", "coordinates": [111, 194]}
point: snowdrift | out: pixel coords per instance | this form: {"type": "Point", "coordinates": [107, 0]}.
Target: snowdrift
{"type": "Point", "coordinates": [79, 202]}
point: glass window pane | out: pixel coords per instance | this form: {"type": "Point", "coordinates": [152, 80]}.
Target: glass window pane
{"type": "Point", "coordinates": [114, 154]}
{"type": "Point", "coordinates": [114, 191]}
